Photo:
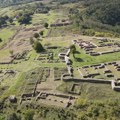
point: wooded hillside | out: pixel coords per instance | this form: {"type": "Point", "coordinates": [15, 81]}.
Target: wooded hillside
{"type": "Point", "coordinates": [97, 15]}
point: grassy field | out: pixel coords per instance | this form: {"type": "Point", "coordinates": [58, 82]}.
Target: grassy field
{"type": "Point", "coordinates": [58, 41]}
{"type": "Point", "coordinates": [84, 59]}
{"type": "Point", "coordinates": [4, 53]}
{"type": "Point", "coordinates": [6, 11]}
{"type": "Point", "coordinates": [5, 34]}
{"type": "Point", "coordinates": [42, 18]}
{"type": "Point", "coordinates": [92, 91]}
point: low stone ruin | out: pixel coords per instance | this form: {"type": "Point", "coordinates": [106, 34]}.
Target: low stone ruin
{"type": "Point", "coordinates": [107, 71]}
{"type": "Point", "coordinates": [94, 53]}
{"type": "Point", "coordinates": [86, 45]}
{"type": "Point", "coordinates": [56, 99]}
{"type": "Point", "coordinates": [88, 75]}
{"type": "Point", "coordinates": [72, 90]}
{"type": "Point", "coordinates": [19, 56]}
{"type": "Point", "coordinates": [10, 72]}
{"type": "Point", "coordinates": [59, 22]}
{"type": "Point", "coordinates": [115, 85]}
{"type": "Point", "coordinates": [94, 49]}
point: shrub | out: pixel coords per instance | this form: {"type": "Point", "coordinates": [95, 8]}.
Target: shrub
{"type": "Point", "coordinates": [41, 33]}
{"type": "Point", "coordinates": [36, 35]}
{"type": "Point", "coordinates": [11, 20]}
{"type": "Point", "coordinates": [46, 25]}
{"type": "Point", "coordinates": [29, 114]}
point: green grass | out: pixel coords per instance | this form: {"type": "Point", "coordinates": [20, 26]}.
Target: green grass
{"type": "Point", "coordinates": [4, 54]}
{"type": "Point", "coordinates": [92, 91]}
{"type": "Point", "coordinates": [58, 41]}
{"type": "Point", "coordinates": [5, 34]}
{"type": "Point", "coordinates": [51, 17]}
{"type": "Point", "coordinates": [6, 11]}
{"type": "Point", "coordinates": [43, 18]}
{"type": "Point", "coordinates": [60, 31]}
{"type": "Point", "coordinates": [85, 59]}
{"type": "Point", "coordinates": [15, 87]}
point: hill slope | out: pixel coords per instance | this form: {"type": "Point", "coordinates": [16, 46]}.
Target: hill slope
{"type": "Point", "coordinates": [98, 15]}
{"type": "Point", "coordinates": [12, 2]}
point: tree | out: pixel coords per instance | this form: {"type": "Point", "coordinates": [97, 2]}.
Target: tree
{"type": "Point", "coordinates": [38, 47]}
{"type": "Point", "coordinates": [41, 33]}
{"type": "Point", "coordinates": [24, 19]}
{"type": "Point", "coordinates": [46, 25]}
{"type": "Point", "coordinates": [1, 40]}
{"type": "Point", "coordinates": [2, 21]}
{"type": "Point", "coordinates": [73, 50]}
{"type": "Point", "coordinates": [36, 35]}
{"type": "Point", "coordinates": [11, 20]}
{"type": "Point", "coordinates": [5, 17]}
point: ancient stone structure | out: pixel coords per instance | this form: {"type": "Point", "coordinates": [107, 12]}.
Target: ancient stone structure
{"type": "Point", "coordinates": [59, 22]}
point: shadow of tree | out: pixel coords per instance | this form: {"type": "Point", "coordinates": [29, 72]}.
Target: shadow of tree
{"type": "Point", "coordinates": [77, 52]}
{"type": "Point", "coordinates": [79, 59]}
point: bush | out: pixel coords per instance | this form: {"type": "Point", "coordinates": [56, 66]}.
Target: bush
{"type": "Point", "coordinates": [41, 33]}
{"type": "Point", "coordinates": [24, 19]}
{"type": "Point", "coordinates": [11, 20]}
{"type": "Point", "coordinates": [99, 34]}
{"type": "Point", "coordinates": [89, 32]}
{"type": "Point", "coordinates": [29, 114]}
{"type": "Point", "coordinates": [36, 35]}
{"type": "Point", "coordinates": [46, 25]}
{"type": "Point", "coordinates": [81, 103]}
